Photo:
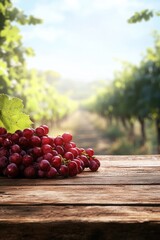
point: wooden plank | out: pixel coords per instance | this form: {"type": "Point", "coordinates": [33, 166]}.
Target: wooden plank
{"type": "Point", "coordinates": [50, 213]}
{"type": "Point", "coordinates": [125, 170]}
{"type": "Point", "coordinates": [120, 178]}
{"type": "Point", "coordinates": [80, 230]}
{"type": "Point", "coordinates": [80, 194]}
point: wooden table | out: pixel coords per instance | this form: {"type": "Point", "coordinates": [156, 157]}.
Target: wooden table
{"type": "Point", "coordinates": [120, 201]}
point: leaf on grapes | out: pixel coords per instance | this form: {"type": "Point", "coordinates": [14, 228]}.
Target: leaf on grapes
{"type": "Point", "coordinates": [12, 116]}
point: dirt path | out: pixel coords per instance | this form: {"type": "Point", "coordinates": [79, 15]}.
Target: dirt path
{"type": "Point", "coordinates": [85, 133]}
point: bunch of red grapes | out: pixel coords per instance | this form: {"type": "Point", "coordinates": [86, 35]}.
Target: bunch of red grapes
{"type": "Point", "coordinates": [33, 153]}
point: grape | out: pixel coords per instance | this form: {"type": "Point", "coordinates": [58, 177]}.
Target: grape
{"type": "Point", "coordinates": [46, 129]}
{"type": "Point", "coordinates": [3, 162]}
{"type": "Point", "coordinates": [40, 131]}
{"type": "Point", "coordinates": [56, 162]}
{"type": "Point", "coordinates": [85, 160]}
{"type": "Point", "coordinates": [2, 131]}
{"type": "Point", "coordinates": [41, 173]}
{"type": "Point", "coordinates": [15, 158]}
{"type": "Point", "coordinates": [74, 151]}
{"type": "Point", "coordinates": [27, 160]}
{"type": "Point", "coordinates": [29, 172]}
{"type": "Point", "coordinates": [7, 142]}
{"type": "Point", "coordinates": [36, 141]}
{"type": "Point", "coordinates": [19, 132]}
{"type": "Point", "coordinates": [15, 137]}
{"type": "Point", "coordinates": [23, 141]}
{"type": "Point", "coordinates": [51, 173]}
{"type": "Point", "coordinates": [44, 165]}
{"type": "Point", "coordinates": [3, 152]}
{"type": "Point", "coordinates": [69, 156]}
{"type": "Point", "coordinates": [58, 140]}
{"type": "Point", "coordinates": [46, 148]}
{"type": "Point", "coordinates": [12, 170]}
{"type": "Point", "coordinates": [32, 153]}
{"type": "Point", "coordinates": [90, 152]}
{"type": "Point", "coordinates": [63, 171]}
{"type": "Point", "coordinates": [93, 166]}
{"type": "Point", "coordinates": [15, 148]}
{"type": "Point", "coordinates": [37, 151]}
{"type": "Point", "coordinates": [46, 140]}
{"type": "Point", "coordinates": [28, 133]}
{"type": "Point", "coordinates": [60, 150]}
{"type": "Point", "coordinates": [48, 156]}
{"type": "Point", "coordinates": [67, 137]}
{"type": "Point", "coordinates": [73, 168]}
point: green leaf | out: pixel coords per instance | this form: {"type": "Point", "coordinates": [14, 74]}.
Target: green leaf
{"type": "Point", "coordinates": [12, 116]}
{"type": "Point", "coordinates": [139, 16]}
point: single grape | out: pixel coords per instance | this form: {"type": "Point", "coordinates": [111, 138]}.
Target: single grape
{"type": "Point", "coordinates": [46, 129]}
{"type": "Point", "coordinates": [7, 142]}
{"type": "Point", "coordinates": [23, 141]}
{"type": "Point", "coordinates": [40, 131]}
{"type": "Point", "coordinates": [58, 140]}
{"type": "Point", "coordinates": [46, 148]}
{"type": "Point", "coordinates": [85, 161]}
{"type": "Point", "coordinates": [28, 133]}
{"type": "Point", "coordinates": [2, 131]}
{"type": "Point", "coordinates": [29, 172]}
{"type": "Point", "coordinates": [41, 173]}
{"type": "Point", "coordinates": [56, 162]}
{"type": "Point", "coordinates": [69, 156]}
{"type": "Point", "coordinates": [15, 137]}
{"type": "Point", "coordinates": [19, 132]}
{"type": "Point", "coordinates": [48, 156]}
{"type": "Point", "coordinates": [15, 158]}
{"type": "Point", "coordinates": [80, 168]}
{"type": "Point", "coordinates": [60, 150]}
{"type": "Point", "coordinates": [90, 152]}
{"type": "Point", "coordinates": [27, 160]}
{"type": "Point", "coordinates": [15, 148]}
{"type": "Point", "coordinates": [73, 144]}
{"type": "Point", "coordinates": [12, 170]}
{"type": "Point", "coordinates": [67, 137]}
{"type": "Point", "coordinates": [35, 141]}
{"type": "Point", "coordinates": [37, 151]}
{"type": "Point", "coordinates": [73, 168]}
{"type": "Point", "coordinates": [44, 165]}
{"type": "Point", "coordinates": [74, 151]}
{"type": "Point", "coordinates": [93, 166]}
{"type": "Point", "coordinates": [67, 146]}
{"type": "Point", "coordinates": [51, 173]}
{"type": "Point", "coordinates": [3, 152]}
{"type": "Point", "coordinates": [3, 162]}
{"type": "Point", "coordinates": [63, 171]}
{"type": "Point", "coordinates": [46, 140]}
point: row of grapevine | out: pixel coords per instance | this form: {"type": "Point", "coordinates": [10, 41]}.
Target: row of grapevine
{"type": "Point", "coordinates": [134, 94]}
{"type": "Point", "coordinates": [42, 100]}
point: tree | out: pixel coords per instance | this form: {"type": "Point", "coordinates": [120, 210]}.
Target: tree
{"type": "Point", "coordinates": [12, 51]}
{"type": "Point", "coordinates": [145, 15]}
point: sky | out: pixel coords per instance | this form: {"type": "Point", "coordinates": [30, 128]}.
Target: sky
{"type": "Point", "coordinates": [87, 40]}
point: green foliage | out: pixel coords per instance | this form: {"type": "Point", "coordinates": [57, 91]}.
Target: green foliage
{"type": "Point", "coordinates": [41, 98]}
{"type": "Point", "coordinates": [145, 15]}
{"type": "Point", "coordinates": [12, 51]}
{"type": "Point", "coordinates": [135, 92]}
{"type": "Point", "coordinates": [12, 116]}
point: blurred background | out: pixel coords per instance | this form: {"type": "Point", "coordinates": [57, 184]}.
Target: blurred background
{"type": "Point", "coordinates": [88, 67]}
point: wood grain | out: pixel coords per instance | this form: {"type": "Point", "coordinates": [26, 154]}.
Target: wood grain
{"type": "Point", "coordinates": [120, 201]}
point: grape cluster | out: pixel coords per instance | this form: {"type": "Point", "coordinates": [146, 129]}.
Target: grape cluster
{"type": "Point", "coordinates": [33, 153]}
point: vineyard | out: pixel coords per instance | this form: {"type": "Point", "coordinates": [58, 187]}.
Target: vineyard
{"type": "Point", "coordinates": [130, 102]}
{"type": "Point", "coordinates": [133, 96]}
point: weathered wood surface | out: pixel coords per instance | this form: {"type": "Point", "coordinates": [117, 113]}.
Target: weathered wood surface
{"type": "Point", "coordinates": [120, 201]}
